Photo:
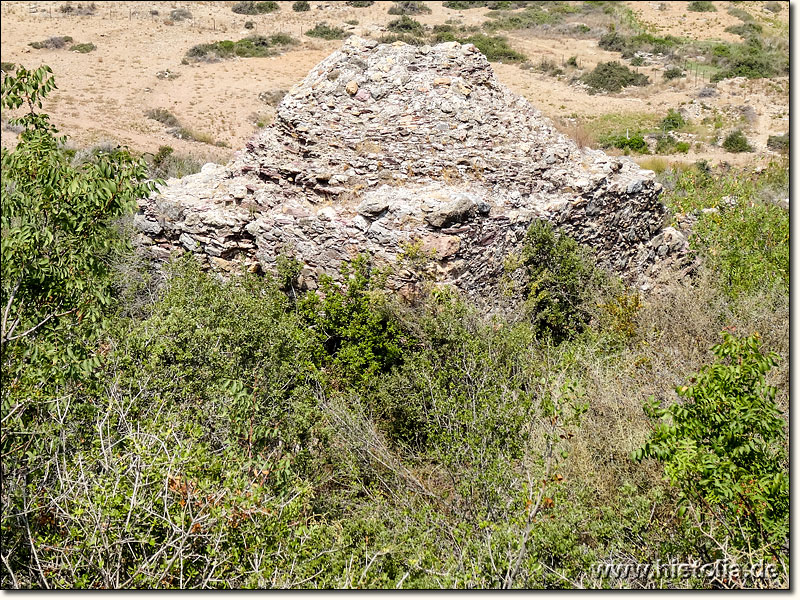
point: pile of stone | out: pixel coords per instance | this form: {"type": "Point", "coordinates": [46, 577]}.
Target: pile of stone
{"type": "Point", "coordinates": [394, 150]}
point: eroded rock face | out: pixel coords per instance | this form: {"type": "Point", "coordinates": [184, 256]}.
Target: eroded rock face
{"type": "Point", "coordinates": [382, 148]}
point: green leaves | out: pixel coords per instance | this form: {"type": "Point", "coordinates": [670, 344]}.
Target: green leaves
{"type": "Point", "coordinates": [58, 232]}
{"type": "Point", "coordinates": [722, 445]}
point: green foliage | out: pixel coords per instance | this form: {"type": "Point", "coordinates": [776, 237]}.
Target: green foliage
{"type": "Point", "coordinates": [8, 67]}
{"type": "Point", "coordinates": [736, 141]}
{"type": "Point", "coordinates": [635, 142]}
{"type": "Point", "coordinates": [722, 447]}
{"type": "Point", "coordinates": [406, 24]}
{"type": "Point", "coordinates": [779, 143]}
{"type": "Point", "coordinates": [350, 325]}
{"type": "Point", "coordinates": [249, 25]}
{"type": "Point", "coordinates": [560, 277]}
{"type": "Point", "coordinates": [57, 235]}
{"type": "Point", "coordinates": [746, 246]}
{"type": "Point", "coordinates": [745, 30]}
{"type": "Point", "coordinates": [83, 48]}
{"type": "Point", "coordinates": [360, 3]}
{"type": "Point", "coordinates": [326, 32]}
{"type": "Point", "coordinates": [572, 61]}
{"type": "Point", "coordinates": [163, 116]}
{"type": "Point", "coordinates": [754, 59]}
{"type": "Point", "coordinates": [249, 47]}
{"type": "Point", "coordinates": [637, 61]}
{"type": "Point", "coordinates": [495, 48]}
{"type": "Point", "coordinates": [701, 6]}
{"type": "Point", "coordinates": [409, 8]}
{"type": "Point", "coordinates": [301, 6]}
{"type": "Point", "coordinates": [774, 7]}
{"type": "Point", "coordinates": [628, 45]}
{"type": "Point", "coordinates": [674, 120]}
{"type": "Point", "coordinates": [612, 77]}
{"type": "Point", "coordinates": [254, 8]}
{"type": "Point", "coordinates": [672, 73]}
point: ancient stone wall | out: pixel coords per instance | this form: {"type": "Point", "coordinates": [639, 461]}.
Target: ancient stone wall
{"type": "Point", "coordinates": [386, 148]}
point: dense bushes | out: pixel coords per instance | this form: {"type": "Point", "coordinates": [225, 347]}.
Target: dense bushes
{"type": "Point", "coordinates": [701, 6]}
{"type": "Point", "coordinates": [254, 8]}
{"type": "Point", "coordinates": [779, 143]}
{"type": "Point", "coordinates": [612, 77]}
{"type": "Point", "coordinates": [736, 141]}
{"type": "Point", "coordinates": [722, 448]}
{"type": "Point", "coordinates": [409, 8]}
{"type": "Point", "coordinates": [249, 47]}
{"type": "Point", "coordinates": [326, 32]}
{"type": "Point", "coordinates": [194, 432]}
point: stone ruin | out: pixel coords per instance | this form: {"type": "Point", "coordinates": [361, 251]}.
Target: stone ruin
{"type": "Point", "coordinates": [396, 150]}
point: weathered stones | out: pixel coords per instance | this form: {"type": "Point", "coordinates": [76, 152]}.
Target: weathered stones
{"type": "Point", "coordinates": [421, 145]}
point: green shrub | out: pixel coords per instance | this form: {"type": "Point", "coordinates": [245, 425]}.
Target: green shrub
{"type": "Point", "coordinates": [736, 141]}
{"type": "Point", "coordinates": [55, 42]}
{"type": "Point", "coordinates": [612, 77]}
{"type": "Point", "coordinates": [350, 326]}
{"type": "Point", "coordinates": [572, 61]}
{"type": "Point", "coordinates": [8, 67]}
{"type": "Point", "coordinates": [360, 3]}
{"type": "Point", "coordinates": [780, 143]}
{"type": "Point", "coordinates": [774, 7]}
{"type": "Point", "coordinates": [83, 48]}
{"type": "Point", "coordinates": [406, 24]}
{"type": "Point", "coordinates": [635, 142]}
{"type": "Point", "coordinates": [495, 48]}
{"type": "Point", "coordinates": [722, 448]}
{"type": "Point", "coordinates": [614, 41]}
{"type": "Point", "coordinates": [682, 147]}
{"type": "Point", "coordinates": [254, 8]}
{"type": "Point", "coordinates": [753, 60]}
{"type": "Point", "coordinates": [249, 25]}
{"type": "Point", "coordinates": [57, 238]}
{"type": "Point", "coordinates": [301, 6]}
{"type": "Point", "coordinates": [746, 30]}
{"type": "Point", "coordinates": [249, 47]}
{"type": "Point", "coordinates": [672, 73]}
{"type": "Point", "coordinates": [701, 6]}
{"type": "Point", "coordinates": [409, 8]}
{"type": "Point", "coordinates": [560, 277]}
{"type": "Point", "coordinates": [746, 247]}
{"type": "Point", "coordinates": [164, 116]}
{"type": "Point", "coordinates": [326, 32]}
{"type": "Point", "coordinates": [674, 120]}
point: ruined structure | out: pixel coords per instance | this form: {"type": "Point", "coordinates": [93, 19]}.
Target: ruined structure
{"type": "Point", "coordinates": [396, 149]}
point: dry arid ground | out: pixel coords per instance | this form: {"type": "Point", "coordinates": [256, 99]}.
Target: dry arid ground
{"type": "Point", "coordinates": [104, 95]}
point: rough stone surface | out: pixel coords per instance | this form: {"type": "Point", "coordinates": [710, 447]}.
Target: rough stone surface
{"type": "Point", "coordinates": [382, 147]}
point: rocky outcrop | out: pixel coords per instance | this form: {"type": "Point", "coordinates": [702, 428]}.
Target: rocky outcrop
{"type": "Point", "coordinates": [395, 149]}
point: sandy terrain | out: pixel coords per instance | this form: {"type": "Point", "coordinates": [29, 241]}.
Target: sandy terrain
{"type": "Point", "coordinates": [104, 95]}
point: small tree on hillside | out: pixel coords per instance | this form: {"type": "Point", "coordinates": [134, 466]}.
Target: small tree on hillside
{"type": "Point", "coordinates": [57, 236]}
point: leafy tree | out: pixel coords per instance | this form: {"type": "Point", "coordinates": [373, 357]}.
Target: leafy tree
{"type": "Point", "coordinates": [722, 448]}
{"type": "Point", "coordinates": [560, 277]}
{"type": "Point", "coordinates": [352, 325]}
{"type": "Point", "coordinates": [57, 234]}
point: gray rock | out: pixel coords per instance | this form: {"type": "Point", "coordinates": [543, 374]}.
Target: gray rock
{"type": "Point", "coordinates": [383, 145]}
